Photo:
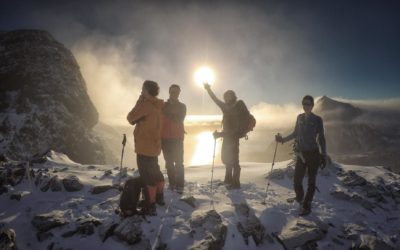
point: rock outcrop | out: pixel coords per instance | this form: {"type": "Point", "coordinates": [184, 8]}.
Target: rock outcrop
{"type": "Point", "coordinates": [44, 102]}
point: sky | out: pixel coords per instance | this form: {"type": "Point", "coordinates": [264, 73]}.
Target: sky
{"type": "Point", "coordinates": [270, 52]}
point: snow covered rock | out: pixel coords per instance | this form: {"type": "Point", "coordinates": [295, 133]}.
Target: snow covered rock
{"type": "Point", "coordinates": [107, 172]}
{"type": "Point", "coordinates": [85, 226]}
{"type": "Point", "coordinates": [277, 174]}
{"type": "Point", "coordinates": [12, 173]}
{"type": "Point", "coordinates": [370, 242]}
{"type": "Point", "coordinates": [106, 229]}
{"type": "Point", "coordinates": [350, 178]}
{"type": "Point", "coordinates": [42, 180]}
{"type": "Point", "coordinates": [43, 98]}
{"type": "Point", "coordinates": [249, 225]}
{"type": "Point", "coordinates": [72, 183]}
{"type": "Point", "coordinates": [45, 222]}
{"type": "Point", "coordinates": [190, 200]}
{"type": "Point", "coordinates": [46, 182]}
{"type": "Point", "coordinates": [343, 195]}
{"type": "Point", "coordinates": [280, 173]}
{"type": "Point", "coordinates": [55, 184]}
{"type": "Point", "coordinates": [352, 230]}
{"type": "Point", "coordinates": [129, 230]}
{"type": "Point", "coordinates": [101, 189]}
{"type": "Point", "coordinates": [8, 239]}
{"type": "Point", "coordinates": [42, 236]}
{"type": "Point", "coordinates": [301, 232]}
{"type": "Point", "coordinates": [3, 189]}
{"type": "Point", "coordinates": [19, 195]}
{"type": "Point", "coordinates": [208, 226]}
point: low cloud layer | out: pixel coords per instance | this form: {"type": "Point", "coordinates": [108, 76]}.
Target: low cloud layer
{"type": "Point", "coordinates": [272, 116]}
{"type": "Point", "coordinates": [381, 104]}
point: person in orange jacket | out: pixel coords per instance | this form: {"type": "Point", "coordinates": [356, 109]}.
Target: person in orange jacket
{"type": "Point", "coordinates": [172, 135]}
{"type": "Point", "coordinates": [146, 115]}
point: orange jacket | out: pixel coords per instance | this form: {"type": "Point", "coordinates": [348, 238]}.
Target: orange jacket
{"type": "Point", "coordinates": [146, 115]}
{"type": "Point", "coordinates": [173, 115]}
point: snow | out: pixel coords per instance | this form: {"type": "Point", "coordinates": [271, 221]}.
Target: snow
{"type": "Point", "coordinates": [276, 215]}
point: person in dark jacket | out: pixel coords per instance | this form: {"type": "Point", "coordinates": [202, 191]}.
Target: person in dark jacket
{"type": "Point", "coordinates": [310, 148]}
{"type": "Point", "coordinates": [172, 135]}
{"type": "Point", "coordinates": [146, 116]}
{"type": "Point", "coordinates": [231, 133]}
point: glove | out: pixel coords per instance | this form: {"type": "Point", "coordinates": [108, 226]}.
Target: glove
{"type": "Point", "coordinates": [207, 86]}
{"type": "Point", "coordinates": [323, 161]}
{"type": "Point", "coordinates": [217, 134]}
{"type": "Point", "coordinates": [278, 138]}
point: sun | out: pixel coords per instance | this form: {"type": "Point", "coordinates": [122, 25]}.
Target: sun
{"type": "Point", "coordinates": [204, 75]}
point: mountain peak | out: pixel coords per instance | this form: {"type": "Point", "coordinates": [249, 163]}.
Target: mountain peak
{"type": "Point", "coordinates": [331, 109]}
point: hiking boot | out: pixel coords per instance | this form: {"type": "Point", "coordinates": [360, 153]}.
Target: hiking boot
{"type": "Point", "coordinates": [228, 175]}
{"type": "Point", "coordinates": [305, 212]}
{"type": "Point", "coordinates": [128, 213]}
{"type": "Point", "coordinates": [171, 187]}
{"type": "Point", "coordinates": [160, 199]}
{"type": "Point", "coordinates": [149, 210]}
{"type": "Point", "coordinates": [233, 186]}
{"type": "Point", "coordinates": [294, 199]}
{"type": "Point", "coordinates": [235, 179]}
{"type": "Point", "coordinates": [306, 208]}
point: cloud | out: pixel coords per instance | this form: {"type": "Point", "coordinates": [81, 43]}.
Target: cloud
{"type": "Point", "coordinates": [273, 116]}
{"type": "Point", "coordinates": [108, 67]}
{"type": "Point", "coordinates": [378, 113]}
{"type": "Point", "coordinates": [378, 104]}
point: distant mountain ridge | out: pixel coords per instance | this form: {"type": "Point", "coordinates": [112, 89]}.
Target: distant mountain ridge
{"type": "Point", "coordinates": [44, 102]}
{"type": "Point", "coordinates": [331, 110]}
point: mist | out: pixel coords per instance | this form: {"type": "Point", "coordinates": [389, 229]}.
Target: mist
{"type": "Point", "coordinates": [119, 45]}
{"type": "Point", "coordinates": [109, 68]}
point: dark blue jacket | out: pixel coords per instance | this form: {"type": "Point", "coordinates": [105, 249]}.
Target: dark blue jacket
{"type": "Point", "coordinates": [307, 133]}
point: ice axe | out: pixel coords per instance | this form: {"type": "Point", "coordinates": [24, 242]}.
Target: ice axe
{"type": "Point", "coordinates": [122, 157]}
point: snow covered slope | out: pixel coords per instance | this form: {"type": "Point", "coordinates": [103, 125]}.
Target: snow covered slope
{"type": "Point", "coordinates": [355, 205]}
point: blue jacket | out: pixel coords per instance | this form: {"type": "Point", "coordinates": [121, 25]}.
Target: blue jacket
{"type": "Point", "coordinates": [307, 133]}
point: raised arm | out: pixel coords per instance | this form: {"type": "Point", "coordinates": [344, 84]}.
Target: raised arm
{"type": "Point", "coordinates": [217, 101]}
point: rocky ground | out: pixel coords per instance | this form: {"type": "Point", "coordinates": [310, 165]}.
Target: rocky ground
{"type": "Point", "coordinates": [58, 204]}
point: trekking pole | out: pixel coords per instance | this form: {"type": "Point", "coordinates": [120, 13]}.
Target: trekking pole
{"type": "Point", "coordinates": [212, 172]}
{"type": "Point", "coordinates": [272, 167]}
{"type": "Point", "coordinates": [158, 244]}
{"type": "Point", "coordinates": [122, 157]}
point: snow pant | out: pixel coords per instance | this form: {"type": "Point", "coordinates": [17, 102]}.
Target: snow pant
{"type": "Point", "coordinates": [230, 158]}
{"type": "Point", "coordinates": [151, 175]}
{"type": "Point", "coordinates": [310, 165]}
{"type": "Point", "coordinates": [173, 155]}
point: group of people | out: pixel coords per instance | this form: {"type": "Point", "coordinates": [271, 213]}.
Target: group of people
{"type": "Point", "coordinates": [159, 126]}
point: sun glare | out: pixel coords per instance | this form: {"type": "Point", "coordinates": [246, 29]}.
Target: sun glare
{"type": "Point", "coordinates": [203, 153]}
{"type": "Point", "coordinates": [204, 75]}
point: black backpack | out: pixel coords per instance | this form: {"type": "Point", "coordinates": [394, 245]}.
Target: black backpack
{"type": "Point", "coordinates": [246, 121]}
{"type": "Point", "coordinates": [130, 196]}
